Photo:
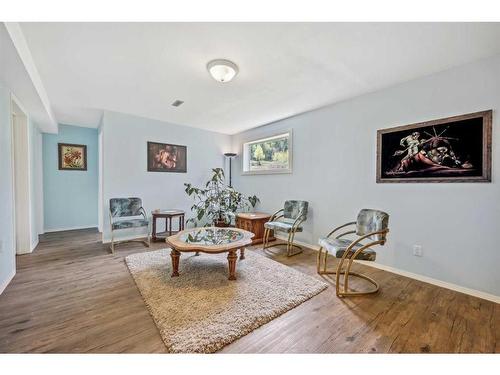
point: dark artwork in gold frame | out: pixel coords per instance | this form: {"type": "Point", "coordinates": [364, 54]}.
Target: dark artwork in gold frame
{"type": "Point", "coordinates": [163, 157]}
{"type": "Point", "coordinates": [452, 149]}
{"type": "Point", "coordinates": [72, 157]}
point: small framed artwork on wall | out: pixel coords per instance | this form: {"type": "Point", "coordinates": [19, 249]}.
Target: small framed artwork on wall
{"type": "Point", "coordinates": [452, 149]}
{"type": "Point", "coordinates": [163, 157]}
{"type": "Point", "coordinates": [72, 157]}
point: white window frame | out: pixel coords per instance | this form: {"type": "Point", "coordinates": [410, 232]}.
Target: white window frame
{"type": "Point", "coordinates": [245, 167]}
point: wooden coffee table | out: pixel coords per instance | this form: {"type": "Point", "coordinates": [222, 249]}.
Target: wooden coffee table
{"type": "Point", "coordinates": [210, 240]}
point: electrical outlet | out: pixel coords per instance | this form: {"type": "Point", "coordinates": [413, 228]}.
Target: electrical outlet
{"type": "Point", "coordinates": [417, 250]}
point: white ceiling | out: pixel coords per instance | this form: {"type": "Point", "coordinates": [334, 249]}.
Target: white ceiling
{"type": "Point", "coordinates": [285, 68]}
{"type": "Point", "coordinates": [14, 75]}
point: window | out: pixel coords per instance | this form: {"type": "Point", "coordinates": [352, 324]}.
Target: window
{"type": "Point", "coordinates": [268, 155]}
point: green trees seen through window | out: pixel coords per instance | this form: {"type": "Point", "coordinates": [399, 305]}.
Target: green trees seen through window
{"type": "Point", "coordinates": [270, 154]}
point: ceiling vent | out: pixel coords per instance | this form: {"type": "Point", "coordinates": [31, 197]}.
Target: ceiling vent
{"type": "Point", "coordinates": [177, 103]}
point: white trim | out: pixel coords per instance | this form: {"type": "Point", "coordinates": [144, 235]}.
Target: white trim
{"type": "Point", "coordinates": [34, 244]}
{"type": "Point", "coordinates": [19, 41]}
{"type": "Point", "coordinates": [39, 181]}
{"type": "Point", "coordinates": [18, 103]}
{"type": "Point", "coordinates": [269, 171]}
{"type": "Point", "coordinates": [7, 281]}
{"type": "Point", "coordinates": [31, 213]}
{"type": "Point", "coordinates": [69, 228]}
{"type": "Point", "coordinates": [100, 205]}
{"type": "Point", "coordinates": [13, 184]}
{"type": "Point", "coordinates": [29, 251]}
{"type": "Point", "coordinates": [415, 276]}
{"type": "Point", "coordinates": [244, 156]}
{"type": "Point", "coordinates": [277, 136]}
{"type": "Point", "coordinates": [430, 280]}
{"type": "Point", "coordinates": [22, 176]}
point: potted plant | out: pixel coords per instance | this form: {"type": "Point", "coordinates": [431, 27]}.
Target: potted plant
{"type": "Point", "coordinates": [217, 202]}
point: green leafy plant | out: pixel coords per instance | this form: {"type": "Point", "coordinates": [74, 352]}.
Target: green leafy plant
{"type": "Point", "coordinates": [217, 202]}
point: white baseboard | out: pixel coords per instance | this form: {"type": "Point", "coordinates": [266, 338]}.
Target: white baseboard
{"type": "Point", "coordinates": [32, 247]}
{"type": "Point", "coordinates": [430, 280]}
{"type": "Point", "coordinates": [34, 244]}
{"type": "Point", "coordinates": [69, 228]}
{"type": "Point", "coordinates": [411, 275]}
{"type": "Point", "coordinates": [7, 281]}
{"type": "Point", "coordinates": [29, 250]}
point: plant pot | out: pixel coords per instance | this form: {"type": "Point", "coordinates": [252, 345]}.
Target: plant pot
{"type": "Point", "coordinates": [221, 224]}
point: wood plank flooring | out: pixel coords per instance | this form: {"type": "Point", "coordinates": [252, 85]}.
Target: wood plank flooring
{"type": "Point", "coordinates": [72, 296]}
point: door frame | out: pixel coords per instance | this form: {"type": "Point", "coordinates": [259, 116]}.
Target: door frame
{"type": "Point", "coordinates": [15, 102]}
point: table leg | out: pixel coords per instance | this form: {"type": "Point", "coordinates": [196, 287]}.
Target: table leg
{"type": "Point", "coordinates": [182, 222]}
{"type": "Point", "coordinates": [154, 229]}
{"type": "Point", "coordinates": [170, 227]}
{"type": "Point", "coordinates": [232, 257]}
{"type": "Point", "coordinates": [197, 253]}
{"type": "Point", "coordinates": [242, 253]}
{"type": "Point", "coordinates": [175, 255]}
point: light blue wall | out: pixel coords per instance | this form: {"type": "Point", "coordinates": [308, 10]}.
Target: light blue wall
{"type": "Point", "coordinates": [7, 257]}
{"type": "Point", "coordinates": [125, 171]}
{"type": "Point", "coordinates": [70, 197]}
{"type": "Point", "coordinates": [334, 153]}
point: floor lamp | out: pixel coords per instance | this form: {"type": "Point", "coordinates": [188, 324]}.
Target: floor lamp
{"type": "Point", "coordinates": [230, 155]}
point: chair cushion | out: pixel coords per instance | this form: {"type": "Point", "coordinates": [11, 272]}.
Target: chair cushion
{"type": "Point", "coordinates": [338, 246]}
{"type": "Point", "coordinates": [123, 207]}
{"type": "Point", "coordinates": [292, 209]}
{"type": "Point", "coordinates": [369, 221]}
{"type": "Point", "coordinates": [280, 226]}
{"type": "Point", "coordinates": [132, 223]}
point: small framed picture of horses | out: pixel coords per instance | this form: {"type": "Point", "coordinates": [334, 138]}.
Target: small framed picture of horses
{"type": "Point", "coordinates": [452, 149]}
{"type": "Point", "coordinates": [164, 157]}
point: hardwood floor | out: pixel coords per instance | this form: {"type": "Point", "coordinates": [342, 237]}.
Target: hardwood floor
{"type": "Point", "coordinates": [72, 295]}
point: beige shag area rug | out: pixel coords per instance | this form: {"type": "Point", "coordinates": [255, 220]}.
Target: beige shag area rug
{"type": "Point", "coordinates": [201, 311]}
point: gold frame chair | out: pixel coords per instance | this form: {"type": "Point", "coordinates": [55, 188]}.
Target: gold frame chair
{"type": "Point", "coordinates": [380, 239]}
{"type": "Point", "coordinates": [141, 212]}
{"type": "Point", "coordinates": [301, 217]}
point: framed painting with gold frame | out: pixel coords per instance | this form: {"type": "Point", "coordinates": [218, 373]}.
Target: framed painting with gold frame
{"type": "Point", "coordinates": [452, 149]}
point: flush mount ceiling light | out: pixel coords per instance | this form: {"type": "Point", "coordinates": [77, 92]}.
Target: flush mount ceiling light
{"type": "Point", "coordinates": [222, 70]}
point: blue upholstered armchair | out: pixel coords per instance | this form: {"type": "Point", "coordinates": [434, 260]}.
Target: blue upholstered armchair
{"type": "Point", "coordinates": [289, 220]}
{"type": "Point", "coordinates": [370, 228]}
{"type": "Point", "coordinates": [127, 213]}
